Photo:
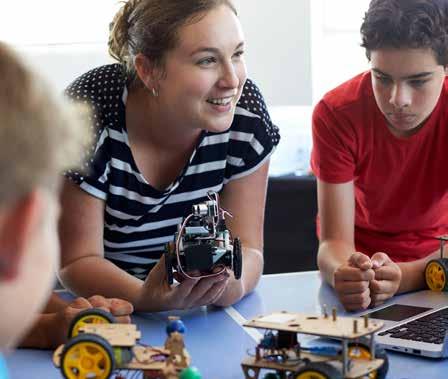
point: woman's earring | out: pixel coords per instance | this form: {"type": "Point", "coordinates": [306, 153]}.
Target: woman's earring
{"type": "Point", "coordinates": [154, 92]}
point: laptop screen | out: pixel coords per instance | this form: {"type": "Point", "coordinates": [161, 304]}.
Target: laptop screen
{"type": "Point", "coordinates": [397, 312]}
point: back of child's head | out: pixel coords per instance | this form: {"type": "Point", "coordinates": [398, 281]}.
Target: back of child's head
{"type": "Point", "coordinates": [413, 24]}
{"type": "Point", "coordinates": [39, 138]}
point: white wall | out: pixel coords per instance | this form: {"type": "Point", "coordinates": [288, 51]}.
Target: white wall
{"type": "Point", "coordinates": [296, 51]}
{"type": "Point", "coordinates": [335, 43]}
{"type": "Point", "coordinates": [279, 48]}
{"type": "Point", "coordinates": [61, 39]}
{"type": "Point", "coordinates": [61, 64]}
{"type": "Point", "coordinates": [64, 40]}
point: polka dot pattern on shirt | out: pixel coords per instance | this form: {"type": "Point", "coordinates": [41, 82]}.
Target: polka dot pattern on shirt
{"type": "Point", "coordinates": [138, 218]}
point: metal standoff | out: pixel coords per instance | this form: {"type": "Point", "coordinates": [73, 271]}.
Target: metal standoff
{"type": "Point", "coordinates": [366, 321]}
{"type": "Point", "coordinates": [325, 311]}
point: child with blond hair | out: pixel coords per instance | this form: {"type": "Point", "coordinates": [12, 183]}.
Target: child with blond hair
{"type": "Point", "coordinates": [39, 138]}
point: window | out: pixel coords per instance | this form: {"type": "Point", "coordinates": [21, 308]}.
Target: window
{"type": "Point", "coordinates": [49, 22]}
{"type": "Point", "coordinates": [335, 43]}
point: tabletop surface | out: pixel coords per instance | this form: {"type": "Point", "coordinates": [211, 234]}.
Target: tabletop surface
{"type": "Point", "coordinates": [217, 342]}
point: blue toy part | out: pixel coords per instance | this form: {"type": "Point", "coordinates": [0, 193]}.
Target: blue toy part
{"type": "Point", "coordinates": [323, 350]}
{"type": "Point", "coordinates": [3, 369]}
{"type": "Point", "coordinates": [175, 325]}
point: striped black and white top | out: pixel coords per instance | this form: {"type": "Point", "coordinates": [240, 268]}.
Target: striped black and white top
{"type": "Point", "coordinates": [140, 219]}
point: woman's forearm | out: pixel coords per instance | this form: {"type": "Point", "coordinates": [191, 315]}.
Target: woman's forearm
{"type": "Point", "coordinates": [93, 275]}
{"type": "Point", "coordinates": [250, 276]}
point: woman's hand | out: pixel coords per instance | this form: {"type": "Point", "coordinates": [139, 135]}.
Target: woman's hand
{"type": "Point", "coordinates": [158, 295]}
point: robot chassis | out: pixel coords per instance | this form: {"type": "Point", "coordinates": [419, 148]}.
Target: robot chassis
{"type": "Point", "coordinates": [203, 243]}
{"type": "Point", "coordinates": [101, 349]}
{"type": "Point", "coordinates": [352, 355]}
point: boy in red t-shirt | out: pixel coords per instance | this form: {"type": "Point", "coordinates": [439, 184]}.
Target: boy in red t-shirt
{"type": "Point", "coordinates": [380, 154]}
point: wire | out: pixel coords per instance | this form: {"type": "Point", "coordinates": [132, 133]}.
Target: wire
{"type": "Point", "coordinates": [213, 196]}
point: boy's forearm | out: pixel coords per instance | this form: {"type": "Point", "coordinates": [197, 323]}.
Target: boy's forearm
{"type": "Point", "coordinates": [39, 337]}
{"type": "Point", "coordinates": [55, 304]}
{"type": "Point", "coordinates": [331, 255]}
{"type": "Point", "coordinates": [413, 273]}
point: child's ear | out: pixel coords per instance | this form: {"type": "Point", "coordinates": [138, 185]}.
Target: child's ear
{"type": "Point", "coordinates": [18, 222]}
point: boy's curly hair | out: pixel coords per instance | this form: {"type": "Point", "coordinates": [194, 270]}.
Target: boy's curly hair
{"type": "Point", "coordinates": [407, 24]}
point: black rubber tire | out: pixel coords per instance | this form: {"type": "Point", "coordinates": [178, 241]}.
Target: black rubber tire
{"type": "Point", "coordinates": [380, 353]}
{"type": "Point", "coordinates": [237, 258]}
{"type": "Point", "coordinates": [325, 369]}
{"type": "Point", "coordinates": [169, 263]}
{"type": "Point", "coordinates": [94, 312]}
{"type": "Point", "coordinates": [97, 340]}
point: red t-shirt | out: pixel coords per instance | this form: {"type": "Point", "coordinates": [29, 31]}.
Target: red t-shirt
{"type": "Point", "coordinates": [401, 184]}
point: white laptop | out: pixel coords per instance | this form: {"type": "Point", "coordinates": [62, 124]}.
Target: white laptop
{"type": "Point", "coordinates": [415, 323]}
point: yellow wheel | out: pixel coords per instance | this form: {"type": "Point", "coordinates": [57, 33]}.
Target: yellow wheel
{"type": "Point", "coordinates": [315, 370]}
{"type": "Point", "coordinates": [87, 356]}
{"type": "Point", "coordinates": [361, 350]}
{"type": "Point", "coordinates": [89, 316]}
{"type": "Point", "coordinates": [311, 374]}
{"type": "Point", "coordinates": [436, 274]}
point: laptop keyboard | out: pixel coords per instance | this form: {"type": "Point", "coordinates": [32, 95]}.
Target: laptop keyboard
{"type": "Point", "coordinates": [430, 328]}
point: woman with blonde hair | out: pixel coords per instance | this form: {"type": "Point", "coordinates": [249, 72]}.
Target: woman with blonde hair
{"type": "Point", "coordinates": [174, 119]}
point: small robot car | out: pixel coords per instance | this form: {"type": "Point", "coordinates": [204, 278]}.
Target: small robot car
{"type": "Point", "coordinates": [351, 352]}
{"type": "Point", "coordinates": [436, 271]}
{"type": "Point", "coordinates": [99, 348]}
{"type": "Point", "coordinates": [203, 243]}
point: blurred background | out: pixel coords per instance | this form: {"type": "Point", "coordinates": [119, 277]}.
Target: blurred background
{"type": "Point", "coordinates": [296, 50]}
